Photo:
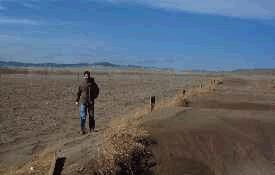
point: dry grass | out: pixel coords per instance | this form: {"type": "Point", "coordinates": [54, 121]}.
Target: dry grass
{"type": "Point", "coordinates": [184, 97]}
{"type": "Point", "coordinates": [40, 165]}
{"type": "Point", "coordinates": [125, 141]}
{"type": "Point", "coordinates": [124, 147]}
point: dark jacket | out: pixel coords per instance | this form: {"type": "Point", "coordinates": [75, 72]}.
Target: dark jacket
{"type": "Point", "coordinates": [87, 91]}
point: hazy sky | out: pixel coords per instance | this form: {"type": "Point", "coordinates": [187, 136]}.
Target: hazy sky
{"type": "Point", "coordinates": [181, 34]}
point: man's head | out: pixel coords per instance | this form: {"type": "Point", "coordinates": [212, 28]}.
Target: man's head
{"type": "Point", "coordinates": [86, 74]}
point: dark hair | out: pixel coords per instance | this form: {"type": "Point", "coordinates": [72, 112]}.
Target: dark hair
{"type": "Point", "coordinates": [87, 72]}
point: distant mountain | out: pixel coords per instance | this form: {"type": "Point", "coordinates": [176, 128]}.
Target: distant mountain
{"type": "Point", "coordinates": [105, 64]}
{"type": "Point", "coordinates": [97, 64]}
{"type": "Point", "coordinates": [255, 70]}
{"type": "Point", "coordinates": [20, 64]}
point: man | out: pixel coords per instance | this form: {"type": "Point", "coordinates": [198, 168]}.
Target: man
{"type": "Point", "coordinates": [87, 93]}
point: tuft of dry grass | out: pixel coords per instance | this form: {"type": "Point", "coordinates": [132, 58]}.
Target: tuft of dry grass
{"type": "Point", "coordinates": [181, 101]}
{"type": "Point", "coordinates": [123, 148]}
{"type": "Point", "coordinates": [184, 97]}
{"type": "Point", "coordinates": [40, 165]}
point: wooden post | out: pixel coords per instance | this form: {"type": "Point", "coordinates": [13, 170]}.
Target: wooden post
{"type": "Point", "coordinates": [183, 92]}
{"type": "Point", "coordinates": [57, 164]}
{"type": "Point", "coordinates": [53, 163]}
{"type": "Point", "coordinates": [152, 102]}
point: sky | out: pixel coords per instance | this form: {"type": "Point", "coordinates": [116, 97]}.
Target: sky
{"type": "Point", "coordinates": [180, 34]}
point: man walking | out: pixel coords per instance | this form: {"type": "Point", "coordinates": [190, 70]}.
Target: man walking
{"type": "Point", "coordinates": [87, 93]}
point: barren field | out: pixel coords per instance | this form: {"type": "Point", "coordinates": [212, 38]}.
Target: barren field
{"type": "Point", "coordinates": [37, 111]}
{"type": "Point", "coordinates": [225, 129]}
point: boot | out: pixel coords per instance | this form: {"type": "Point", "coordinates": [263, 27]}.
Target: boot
{"type": "Point", "coordinates": [83, 131]}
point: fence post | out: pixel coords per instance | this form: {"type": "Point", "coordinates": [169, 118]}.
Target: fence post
{"type": "Point", "coordinates": [152, 102]}
{"type": "Point", "coordinates": [183, 92]}
{"type": "Point", "coordinates": [53, 164]}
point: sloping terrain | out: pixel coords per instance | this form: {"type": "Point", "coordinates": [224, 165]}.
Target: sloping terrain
{"type": "Point", "coordinates": [229, 131]}
{"type": "Point", "coordinates": [38, 114]}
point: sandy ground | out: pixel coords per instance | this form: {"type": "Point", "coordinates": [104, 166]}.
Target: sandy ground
{"type": "Point", "coordinates": [37, 112]}
{"type": "Point", "coordinates": [229, 131]}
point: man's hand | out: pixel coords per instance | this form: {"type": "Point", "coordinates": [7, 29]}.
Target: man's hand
{"type": "Point", "coordinates": [76, 103]}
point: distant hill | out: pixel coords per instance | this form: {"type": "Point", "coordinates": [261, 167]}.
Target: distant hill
{"type": "Point", "coordinates": [56, 65]}
{"type": "Point", "coordinates": [105, 64]}
{"type": "Point", "coordinates": [255, 71]}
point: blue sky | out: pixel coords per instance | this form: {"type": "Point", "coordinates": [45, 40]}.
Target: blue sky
{"type": "Point", "coordinates": [181, 34]}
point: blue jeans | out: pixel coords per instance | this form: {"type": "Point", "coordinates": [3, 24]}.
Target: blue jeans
{"type": "Point", "coordinates": [84, 110]}
{"type": "Point", "coordinates": [83, 114]}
